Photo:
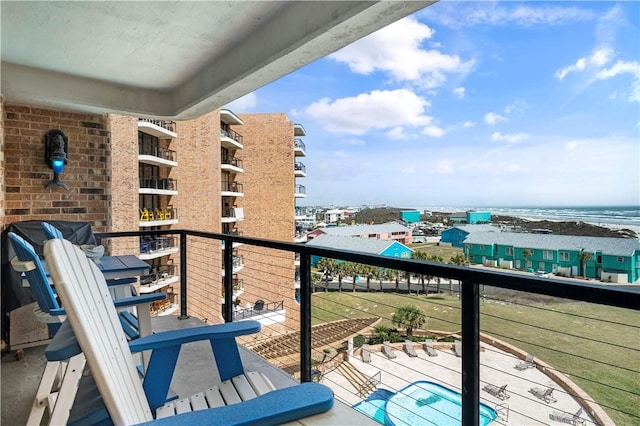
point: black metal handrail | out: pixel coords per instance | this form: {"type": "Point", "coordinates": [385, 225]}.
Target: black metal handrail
{"type": "Point", "coordinates": [232, 186]}
{"type": "Point", "coordinates": [297, 143]}
{"type": "Point", "coordinates": [232, 134]}
{"type": "Point", "coordinates": [470, 278]}
{"type": "Point", "coordinates": [165, 124]}
{"type": "Point", "coordinates": [299, 167]}
{"type": "Point", "coordinates": [150, 148]}
{"type": "Point", "coordinates": [235, 162]}
{"type": "Point", "coordinates": [159, 183]}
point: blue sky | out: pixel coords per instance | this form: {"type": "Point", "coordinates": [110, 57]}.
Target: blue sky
{"type": "Point", "coordinates": [474, 104]}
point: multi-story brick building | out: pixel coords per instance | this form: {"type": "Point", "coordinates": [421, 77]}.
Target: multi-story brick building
{"type": "Point", "coordinates": [219, 173]}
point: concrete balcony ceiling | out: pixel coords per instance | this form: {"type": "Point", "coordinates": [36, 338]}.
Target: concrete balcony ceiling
{"type": "Point", "coordinates": [171, 59]}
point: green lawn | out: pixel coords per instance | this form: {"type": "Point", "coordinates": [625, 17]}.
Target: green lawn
{"type": "Point", "coordinates": [597, 346]}
{"type": "Point", "coordinates": [432, 249]}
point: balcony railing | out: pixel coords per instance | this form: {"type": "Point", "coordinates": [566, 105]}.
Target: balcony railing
{"type": "Point", "coordinates": [578, 330]}
{"type": "Point", "coordinates": [299, 146]}
{"type": "Point", "coordinates": [235, 162]}
{"type": "Point", "coordinates": [300, 189]}
{"type": "Point", "coordinates": [159, 273]}
{"type": "Point", "coordinates": [166, 184]}
{"type": "Point", "coordinates": [253, 311]}
{"type": "Point", "coordinates": [150, 148]}
{"type": "Point", "coordinates": [232, 134]}
{"type": "Point", "coordinates": [151, 245]}
{"type": "Point", "coordinates": [232, 187]}
{"type": "Point", "coordinates": [152, 215]}
{"type": "Point", "coordinates": [299, 168]}
{"type": "Point", "coordinates": [165, 124]}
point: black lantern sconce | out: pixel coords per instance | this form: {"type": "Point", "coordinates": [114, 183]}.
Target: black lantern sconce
{"type": "Point", "coordinates": [55, 155]}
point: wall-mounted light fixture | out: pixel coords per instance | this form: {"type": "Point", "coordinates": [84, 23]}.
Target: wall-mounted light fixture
{"type": "Point", "coordinates": [56, 151]}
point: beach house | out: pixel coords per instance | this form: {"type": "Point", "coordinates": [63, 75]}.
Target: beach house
{"type": "Point", "coordinates": [615, 260]}
{"type": "Point", "coordinates": [456, 235]}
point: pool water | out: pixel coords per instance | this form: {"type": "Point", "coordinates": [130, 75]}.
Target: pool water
{"type": "Point", "coordinates": [419, 403]}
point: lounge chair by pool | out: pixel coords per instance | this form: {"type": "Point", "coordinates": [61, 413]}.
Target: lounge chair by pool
{"type": "Point", "coordinates": [544, 394]}
{"type": "Point", "coordinates": [527, 363]}
{"type": "Point", "coordinates": [498, 392]}
{"type": "Point", "coordinates": [572, 419]}
{"type": "Point", "coordinates": [408, 346]}
{"type": "Point", "coordinates": [429, 349]}
{"type": "Point", "coordinates": [388, 350]}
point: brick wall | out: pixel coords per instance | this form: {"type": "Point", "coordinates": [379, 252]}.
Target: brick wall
{"type": "Point", "coordinates": [25, 173]}
{"type": "Point", "coordinates": [268, 202]}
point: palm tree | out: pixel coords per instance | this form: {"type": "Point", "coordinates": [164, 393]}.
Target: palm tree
{"type": "Point", "coordinates": [327, 265]}
{"type": "Point", "coordinates": [437, 259]}
{"type": "Point", "coordinates": [409, 316]}
{"type": "Point", "coordinates": [370, 272]}
{"type": "Point", "coordinates": [526, 253]}
{"type": "Point", "coordinates": [352, 268]}
{"type": "Point", "coordinates": [340, 270]}
{"type": "Point", "coordinates": [584, 257]}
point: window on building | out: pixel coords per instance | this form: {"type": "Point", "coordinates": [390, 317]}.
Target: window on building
{"type": "Point", "coordinates": [481, 247]}
{"type": "Point", "coordinates": [564, 256]}
{"type": "Point", "coordinates": [620, 260]}
{"type": "Point", "coordinates": [508, 251]}
{"type": "Point", "coordinates": [547, 255]}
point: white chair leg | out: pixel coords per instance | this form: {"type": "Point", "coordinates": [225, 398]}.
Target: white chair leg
{"type": "Point", "coordinates": [68, 390]}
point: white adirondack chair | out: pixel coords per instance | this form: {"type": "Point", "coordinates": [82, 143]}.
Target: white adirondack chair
{"type": "Point", "coordinates": [95, 324]}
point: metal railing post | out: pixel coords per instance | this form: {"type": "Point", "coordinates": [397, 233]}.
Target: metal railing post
{"type": "Point", "coordinates": [305, 317]}
{"type": "Point", "coordinates": [470, 295]}
{"type": "Point", "coordinates": [227, 310]}
{"type": "Point", "coordinates": [183, 276]}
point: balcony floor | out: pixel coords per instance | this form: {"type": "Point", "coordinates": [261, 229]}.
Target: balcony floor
{"type": "Point", "coordinates": [20, 379]}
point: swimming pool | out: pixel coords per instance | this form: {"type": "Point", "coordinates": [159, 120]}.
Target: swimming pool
{"type": "Point", "coordinates": [420, 403]}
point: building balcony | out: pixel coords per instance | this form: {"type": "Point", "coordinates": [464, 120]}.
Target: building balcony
{"type": "Point", "coordinates": [299, 148]}
{"type": "Point", "coordinates": [156, 247]}
{"type": "Point", "coordinates": [579, 333]}
{"type": "Point", "coordinates": [233, 165]}
{"type": "Point", "coordinates": [232, 189]}
{"type": "Point", "coordinates": [229, 118]}
{"type": "Point", "coordinates": [158, 217]}
{"type": "Point", "coordinates": [158, 186]}
{"type": "Point", "coordinates": [300, 191]}
{"type": "Point", "coordinates": [238, 289]}
{"type": "Point", "coordinates": [162, 129]}
{"type": "Point", "coordinates": [230, 215]}
{"type": "Point", "coordinates": [231, 139]}
{"type": "Point", "coordinates": [150, 153]}
{"type": "Point", "coordinates": [238, 265]}
{"type": "Point", "coordinates": [299, 169]}
{"type": "Point", "coordinates": [298, 130]}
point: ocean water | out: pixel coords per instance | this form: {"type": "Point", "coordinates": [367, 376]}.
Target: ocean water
{"type": "Point", "coordinates": [620, 215]}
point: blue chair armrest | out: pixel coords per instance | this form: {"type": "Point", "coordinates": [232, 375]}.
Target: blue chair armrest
{"type": "Point", "coordinates": [139, 300]}
{"type": "Point", "coordinates": [273, 408]}
{"type": "Point", "coordinates": [64, 344]}
{"type": "Point", "coordinates": [208, 332]}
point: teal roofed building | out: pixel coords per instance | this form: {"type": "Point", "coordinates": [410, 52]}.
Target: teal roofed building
{"type": "Point", "coordinates": [615, 260]}
{"type": "Point", "coordinates": [456, 235]}
{"type": "Point", "coordinates": [389, 248]}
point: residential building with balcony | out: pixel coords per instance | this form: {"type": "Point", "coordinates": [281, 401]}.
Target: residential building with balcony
{"type": "Point", "coordinates": [614, 260]}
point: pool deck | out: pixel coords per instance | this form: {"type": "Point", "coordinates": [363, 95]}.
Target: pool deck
{"type": "Point", "coordinates": [496, 367]}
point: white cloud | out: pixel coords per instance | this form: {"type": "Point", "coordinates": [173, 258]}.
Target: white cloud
{"type": "Point", "coordinates": [597, 59]}
{"type": "Point", "coordinates": [380, 109]}
{"type": "Point", "coordinates": [516, 168]}
{"type": "Point", "coordinates": [244, 103]}
{"type": "Point", "coordinates": [458, 92]}
{"type": "Point", "coordinates": [342, 153]}
{"type": "Point", "coordinates": [492, 118]}
{"type": "Point", "coordinates": [396, 50]}
{"type": "Point", "coordinates": [467, 14]}
{"type": "Point", "coordinates": [408, 170]}
{"type": "Point", "coordinates": [433, 131]}
{"type": "Point", "coordinates": [397, 133]}
{"type": "Point", "coordinates": [511, 138]}
{"type": "Point", "coordinates": [516, 106]}
{"type": "Point", "coordinates": [467, 124]}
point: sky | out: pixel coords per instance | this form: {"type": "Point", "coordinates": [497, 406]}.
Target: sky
{"type": "Point", "coordinates": [473, 104]}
